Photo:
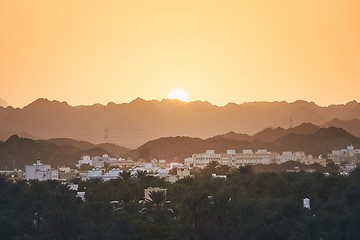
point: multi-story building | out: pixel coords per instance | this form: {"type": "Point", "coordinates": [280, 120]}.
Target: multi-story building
{"type": "Point", "coordinates": [290, 156]}
{"type": "Point", "coordinates": [308, 160]}
{"type": "Point", "coordinates": [98, 161]}
{"type": "Point", "coordinates": [248, 157]}
{"type": "Point", "coordinates": [349, 154]}
{"type": "Point", "coordinates": [231, 158]}
{"type": "Point", "coordinates": [41, 172]}
{"type": "Point", "coordinates": [203, 159]}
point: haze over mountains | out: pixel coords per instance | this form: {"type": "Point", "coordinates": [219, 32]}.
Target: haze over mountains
{"type": "Point", "coordinates": [17, 152]}
{"type": "Point", "coordinates": [135, 123]}
{"type": "Point", "coordinates": [162, 121]}
{"type": "Point", "coordinates": [58, 152]}
{"type": "Point", "coordinates": [306, 137]}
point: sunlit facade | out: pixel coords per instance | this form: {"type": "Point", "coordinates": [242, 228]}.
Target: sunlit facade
{"type": "Point", "coordinates": [231, 158]}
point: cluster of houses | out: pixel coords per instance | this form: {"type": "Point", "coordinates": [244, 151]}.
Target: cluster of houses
{"type": "Point", "coordinates": [348, 155]}
{"type": "Point", "coordinates": [107, 168]}
{"type": "Point", "coordinates": [249, 157]}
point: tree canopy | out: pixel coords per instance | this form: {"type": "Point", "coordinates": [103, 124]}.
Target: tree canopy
{"type": "Point", "coordinates": [243, 206]}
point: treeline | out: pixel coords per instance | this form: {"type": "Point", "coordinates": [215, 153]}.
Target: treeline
{"type": "Point", "coordinates": [243, 206]}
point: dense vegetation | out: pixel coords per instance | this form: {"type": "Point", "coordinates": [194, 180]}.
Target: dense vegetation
{"type": "Point", "coordinates": [243, 206]}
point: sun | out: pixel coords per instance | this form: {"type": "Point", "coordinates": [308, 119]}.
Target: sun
{"type": "Point", "coordinates": [179, 94]}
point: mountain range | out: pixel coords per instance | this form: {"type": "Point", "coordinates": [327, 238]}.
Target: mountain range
{"type": "Point", "coordinates": [17, 151]}
{"type": "Point", "coordinates": [135, 123]}
{"type": "Point", "coordinates": [306, 137]}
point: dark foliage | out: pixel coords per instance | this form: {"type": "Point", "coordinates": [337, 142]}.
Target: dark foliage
{"type": "Point", "coordinates": [243, 206]}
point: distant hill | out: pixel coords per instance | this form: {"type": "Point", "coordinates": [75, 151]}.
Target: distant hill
{"type": "Point", "coordinates": [5, 134]}
{"type": "Point", "coordinates": [272, 134]}
{"type": "Point", "coordinates": [322, 141]}
{"type": "Point", "coordinates": [305, 137]}
{"type": "Point", "coordinates": [135, 123]}
{"type": "Point", "coordinates": [351, 126]}
{"type": "Point", "coordinates": [18, 152]}
{"type": "Point", "coordinates": [113, 149]}
{"type": "Point", "coordinates": [304, 128]}
{"type": "Point", "coordinates": [235, 136]}
{"type": "Point", "coordinates": [178, 148]}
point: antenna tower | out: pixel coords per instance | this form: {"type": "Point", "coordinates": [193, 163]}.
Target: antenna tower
{"type": "Point", "coordinates": [106, 133]}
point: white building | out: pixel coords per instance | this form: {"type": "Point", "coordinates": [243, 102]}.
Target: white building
{"type": "Point", "coordinates": [189, 161]}
{"type": "Point", "coordinates": [94, 173]}
{"type": "Point", "coordinates": [230, 158]}
{"type": "Point", "coordinates": [308, 160]}
{"type": "Point", "coordinates": [99, 174]}
{"type": "Point", "coordinates": [112, 174]}
{"type": "Point", "coordinates": [181, 173]}
{"type": "Point", "coordinates": [41, 172]}
{"type": "Point", "coordinates": [248, 157]}
{"type": "Point", "coordinates": [347, 169]}
{"type": "Point", "coordinates": [84, 160]}
{"type": "Point", "coordinates": [349, 154]}
{"type": "Point", "coordinates": [290, 156]}
{"type": "Point", "coordinates": [98, 161]}
{"type": "Point", "coordinates": [203, 159]}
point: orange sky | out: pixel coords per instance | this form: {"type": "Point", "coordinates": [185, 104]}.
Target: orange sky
{"type": "Point", "coordinates": [85, 52]}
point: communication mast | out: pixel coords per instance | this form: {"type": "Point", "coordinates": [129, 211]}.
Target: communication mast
{"type": "Point", "coordinates": [291, 122]}
{"type": "Point", "coordinates": [106, 133]}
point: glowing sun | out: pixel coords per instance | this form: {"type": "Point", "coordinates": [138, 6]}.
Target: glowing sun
{"type": "Point", "coordinates": [179, 94]}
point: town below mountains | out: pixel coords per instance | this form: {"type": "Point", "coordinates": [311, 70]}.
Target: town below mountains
{"type": "Point", "coordinates": [172, 170]}
{"type": "Point", "coordinates": [140, 121]}
{"type": "Point", "coordinates": [16, 152]}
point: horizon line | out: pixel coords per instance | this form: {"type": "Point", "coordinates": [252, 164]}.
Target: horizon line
{"type": "Point", "coordinates": [176, 100]}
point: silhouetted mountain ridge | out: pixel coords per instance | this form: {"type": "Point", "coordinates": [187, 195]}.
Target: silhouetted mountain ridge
{"type": "Point", "coordinates": [351, 126]}
{"type": "Point", "coordinates": [135, 123]}
{"type": "Point", "coordinates": [306, 137]}
{"type": "Point", "coordinates": [17, 151]}
{"type": "Point", "coordinates": [322, 141]}
{"type": "Point", "coordinates": [113, 149]}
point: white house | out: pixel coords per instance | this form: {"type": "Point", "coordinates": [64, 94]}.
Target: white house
{"type": "Point", "coordinates": [41, 172]}
{"type": "Point", "coordinates": [84, 160]}
{"type": "Point", "coordinates": [98, 161]}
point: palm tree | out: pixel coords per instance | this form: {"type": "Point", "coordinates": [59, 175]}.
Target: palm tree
{"type": "Point", "coordinates": [62, 211]}
{"type": "Point", "coordinates": [157, 198]}
{"type": "Point", "coordinates": [219, 205]}
{"type": "Point", "coordinates": [141, 174]}
{"type": "Point", "coordinates": [212, 166]}
{"type": "Point", "coordinates": [192, 210]}
{"type": "Point", "coordinates": [125, 176]}
{"type": "Point", "coordinates": [156, 210]}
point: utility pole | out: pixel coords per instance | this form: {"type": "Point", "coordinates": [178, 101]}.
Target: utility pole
{"type": "Point", "coordinates": [106, 133]}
